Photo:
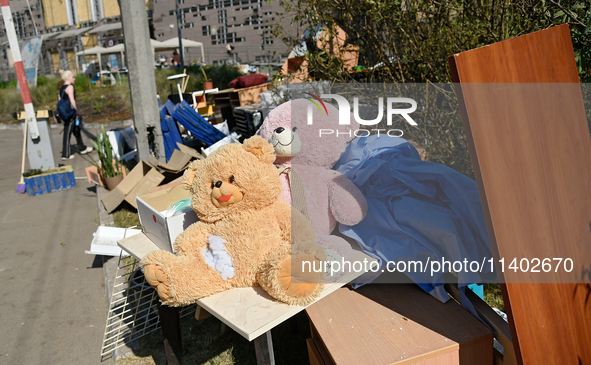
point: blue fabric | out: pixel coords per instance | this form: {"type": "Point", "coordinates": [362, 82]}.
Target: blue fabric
{"type": "Point", "coordinates": [417, 211]}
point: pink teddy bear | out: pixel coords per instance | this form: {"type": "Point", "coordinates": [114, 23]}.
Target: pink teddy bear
{"type": "Point", "coordinates": [330, 196]}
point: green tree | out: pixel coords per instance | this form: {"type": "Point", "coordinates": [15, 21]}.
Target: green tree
{"type": "Point", "coordinates": [409, 41]}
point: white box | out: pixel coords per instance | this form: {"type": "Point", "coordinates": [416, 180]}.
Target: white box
{"type": "Point", "coordinates": [160, 229]}
{"type": "Point", "coordinates": [105, 240]}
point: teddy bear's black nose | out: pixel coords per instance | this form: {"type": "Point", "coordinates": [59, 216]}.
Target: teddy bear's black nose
{"type": "Point", "coordinates": [279, 130]}
{"type": "Point", "coordinates": [218, 184]}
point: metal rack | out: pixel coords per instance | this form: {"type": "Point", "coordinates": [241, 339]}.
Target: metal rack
{"type": "Point", "coordinates": [133, 308]}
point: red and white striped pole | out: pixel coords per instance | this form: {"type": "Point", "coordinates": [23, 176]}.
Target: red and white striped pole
{"type": "Point", "coordinates": [19, 68]}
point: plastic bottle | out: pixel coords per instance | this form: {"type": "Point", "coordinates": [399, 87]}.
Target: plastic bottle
{"type": "Point", "coordinates": [77, 121]}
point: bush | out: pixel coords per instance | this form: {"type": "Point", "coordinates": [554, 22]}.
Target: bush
{"type": "Point", "coordinates": [10, 101]}
{"type": "Point", "coordinates": [222, 75]}
{"type": "Point", "coordinates": [97, 107]}
{"type": "Point", "coordinates": [45, 95]}
{"type": "Point", "coordinates": [41, 81]}
{"type": "Point", "coordinates": [82, 83]}
{"type": "Point", "coordinates": [8, 84]}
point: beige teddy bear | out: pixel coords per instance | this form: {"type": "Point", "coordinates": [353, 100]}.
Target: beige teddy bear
{"type": "Point", "coordinates": [246, 235]}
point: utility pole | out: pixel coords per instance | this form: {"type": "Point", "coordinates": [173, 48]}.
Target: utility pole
{"type": "Point", "coordinates": [178, 25]}
{"type": "Point", "coordinates": [142, 82]}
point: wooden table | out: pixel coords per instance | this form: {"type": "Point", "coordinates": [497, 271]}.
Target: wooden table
{"type": "Point", "coordinates": [249, 311]}
{"type": "Point", "coordinates": [395, 324]}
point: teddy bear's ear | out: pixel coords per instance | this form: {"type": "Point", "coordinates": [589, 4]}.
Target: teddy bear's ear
{"type": "Point", "coordinates": [189, 174]}
{"type": "Point", "coordinates": [260, 148]}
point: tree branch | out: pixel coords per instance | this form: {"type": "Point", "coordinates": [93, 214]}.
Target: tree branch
{"type": "Point", "coordinates": [569, 14]}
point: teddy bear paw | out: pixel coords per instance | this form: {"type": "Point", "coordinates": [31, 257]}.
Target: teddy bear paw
{"type": "Point", "coordinates": [158, 280]}
{"type": "Point", "coordinates": [297, 279]}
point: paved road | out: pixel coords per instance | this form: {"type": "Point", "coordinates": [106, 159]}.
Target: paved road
{"type": "Point", "coordinates": [52, 307]}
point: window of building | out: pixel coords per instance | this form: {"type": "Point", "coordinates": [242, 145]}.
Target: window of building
{"type": "Point", "coordinates": [206, 30]}
{"type": "Point", "coordinates": [222, 17]}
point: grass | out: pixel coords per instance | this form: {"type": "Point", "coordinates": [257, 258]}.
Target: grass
{"type": "Point", "coordinates": [126, 218]}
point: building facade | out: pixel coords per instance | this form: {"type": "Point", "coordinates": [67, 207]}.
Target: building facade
{"type": "Point", "coordinates": [245, 25]}
{"type": "Point", "coordinates": [232, 31]}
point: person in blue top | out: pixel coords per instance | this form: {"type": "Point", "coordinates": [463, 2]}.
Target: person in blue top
{"type": "Point", "coordinates": [71, 126]}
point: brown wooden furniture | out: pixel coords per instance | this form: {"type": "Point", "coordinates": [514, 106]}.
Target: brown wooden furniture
{"type": "Point", "coordinates": [240, 97]}
{"type": "Point", "coordinates": [395, 324]}
{"type": "Point", "coordinates": [524, 118]}
{"type": "Point", "coordinates": [226, 100]}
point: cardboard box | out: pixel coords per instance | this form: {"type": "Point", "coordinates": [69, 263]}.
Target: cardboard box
{"type": "Point", "coordinates": [189, 151]}
{"type": "Point", "coordinates": [157, 227]}
{"type": "Point", "coordinates": [172, 184]}
{"type": "Point", "coordinates": [179, 160]}
{"type": "Point", "coordinates": [140, 181]}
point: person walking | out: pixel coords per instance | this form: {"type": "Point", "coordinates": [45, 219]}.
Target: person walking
{"type": "Point", "coordinates": [71, 126]}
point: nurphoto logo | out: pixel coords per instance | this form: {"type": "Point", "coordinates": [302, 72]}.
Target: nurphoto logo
{"type": "Point", "coordinates": [345, 110]}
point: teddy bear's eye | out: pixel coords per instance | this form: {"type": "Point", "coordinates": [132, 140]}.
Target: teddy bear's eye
{"type": "Point", "coordinates": [294, 129]}
{"type": "Point", "coordinates": [232, 180]}
{"type": "Point", "coordinates": [212, 185]}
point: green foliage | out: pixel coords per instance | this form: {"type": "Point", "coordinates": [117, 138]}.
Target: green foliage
{"type": "Point", "coordinates": [578, 15]}
{"type": "Point", "coordinates": [163, 86]}
{"type": "Point", "coordinates": [81, 84]}
{"type": "Point", "coordinates": [41, 80]}
{"type": "Point", "coordinates": [409, 41]}
{"type": "Point", "coordinates": [493, 296]}
{"type": "Point", "coordinates": [97, 107]}
{"type": "Point", "coordinates": [10, 101]}
{"type": "Point", "coordinates": [112, 104]}
{"type": "Point", "coordinates": [108, 164]}
{"type": "Point", "coordinates": [8, 84]}
{"type": "Point", "coordinates": [85, 100]}
{"type": "Point", "coordinates": [45, 94]}
{"type": "Point", "coordinates": [222, 75]}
